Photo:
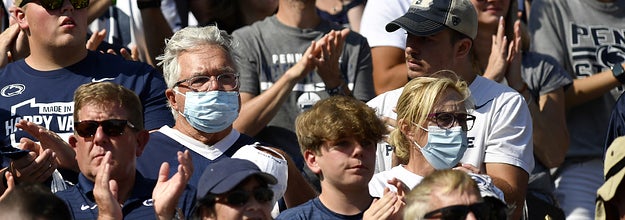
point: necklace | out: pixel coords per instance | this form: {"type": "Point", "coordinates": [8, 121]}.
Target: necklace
{"type": "Point", "coordinates": [336, 8]}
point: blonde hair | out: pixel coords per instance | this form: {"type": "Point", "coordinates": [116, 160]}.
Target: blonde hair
{"type": "Point", "coordinates": [335, 118]}
{"type": "Point", "coordinates": [107, 94]}
{"type": "Point", "coordinates": [417, 101]}
{"type": "Point", "coordinates": [445, 181]}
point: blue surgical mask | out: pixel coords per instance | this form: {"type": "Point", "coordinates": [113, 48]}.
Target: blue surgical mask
{"type": "Point", "coordinates": [211, 111]}
{"type": "Point", "coordinates": [445, 147]}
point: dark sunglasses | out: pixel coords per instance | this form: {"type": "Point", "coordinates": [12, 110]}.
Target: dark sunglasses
{"type": "Point", "coordinates": [449, 119]}
{"type": "Point", "coordinates": [111, 127]}
{"type": "Point", "coordinates": [459, 212]}
{"type": "Point", "coordinates": [56, 4]}
{"type": "Point", "coordinates": [239, 198]}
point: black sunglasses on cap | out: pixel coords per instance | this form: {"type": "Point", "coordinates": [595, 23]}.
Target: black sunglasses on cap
{"type": "Point", "coordinates": [56, 4]}
{"type": "Point", "coordinates": [239, 198]}
{"type": "Point", "coordinates": [111, 127]}
{"type": "Point", "coordinates": [481, 211]}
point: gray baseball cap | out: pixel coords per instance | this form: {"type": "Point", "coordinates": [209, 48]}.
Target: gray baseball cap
{"type": "Point", "coordinates": [428, 17]}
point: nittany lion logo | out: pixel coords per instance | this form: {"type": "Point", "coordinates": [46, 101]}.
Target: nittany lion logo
{"type": "Point", "coordinates": [610, 55]}
{"type": "Point", "coordinates": [12, 90]}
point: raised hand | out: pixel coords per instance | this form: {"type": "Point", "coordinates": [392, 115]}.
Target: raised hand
{"type": "Point", "coordinates": [391, 205]}
{"type": "Point", "coordinates": [65, 156]}
{"type": "Point", "coordinates": [37, 166]}
{"type": "Point", "coordinates": [513, 75]}
{"type": "Point", "coordinates": [382, 208]}
{"type": "Point", "coordinates": [10, 185]}
{"type": "Point", "coordinates": [105, 192]}
{"type": "Point", "coordinates": [331, 46]}
{"type": "Point", "coordinates": [8, 39]}
{"type": "Point", "coordinates": [96, 39]}
{"type": "Point", "coordinates": [498, 59]}
{"type": "Point", "coordinates": [167, 191]}
{"type": "Point", "coordinates": [468, 168]}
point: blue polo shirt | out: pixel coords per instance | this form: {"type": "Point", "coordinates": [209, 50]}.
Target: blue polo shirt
{"type": "Point", "coordinates": [79, 198]}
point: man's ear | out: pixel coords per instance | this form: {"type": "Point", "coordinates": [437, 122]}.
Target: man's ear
{"type": "Point", "coordinates": [19, 16]}
{"type": "Point", "coordinates": [311, 161]}
{"type": "Point", "coordinates": [170, 94]}
{"type": "Point", "coordinates": [463, 48]}
{"type": "Point", "coordinates": [142, 140]}
{"type": "Point", "coordinates": [72, 141]}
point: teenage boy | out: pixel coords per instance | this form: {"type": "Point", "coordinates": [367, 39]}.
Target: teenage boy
{"type": "Point", "coordinates": [338, 137]}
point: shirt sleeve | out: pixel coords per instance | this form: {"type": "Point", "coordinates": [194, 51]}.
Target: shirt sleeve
{"type": "Point", "coordinates": [547, 30]}
{"type": "Point", "coordinates": [510, 137]}
{"type": "Point", "coordinates": [155, 110]}
{"type": "Point", "coordinates": [247, 63]}
{"type": "Point", "coordinates": [363, 79]}
{"type": "Point", "coordinates": [376, 15]}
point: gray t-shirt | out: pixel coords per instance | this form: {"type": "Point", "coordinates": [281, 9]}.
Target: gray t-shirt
{"type": "Point", "coordinates": [269, 48]}
{"type": "Point", "coordinates": [586, 37]}
{"type": "Point", "coordinates": [543, 74]}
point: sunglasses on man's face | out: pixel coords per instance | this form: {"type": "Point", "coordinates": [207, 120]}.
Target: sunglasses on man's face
{"type": "Point", "coordinates": [56, 4]}
{"type": "Point", "coordinates": [239, 198]}
{"type": "Point", "coordinates": [111, 127]}
{"type": "Point", "coordinates": [459, 212]}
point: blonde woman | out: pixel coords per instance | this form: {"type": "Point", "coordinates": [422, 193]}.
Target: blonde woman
{"type": "Point", "coordinates": [431, 134]}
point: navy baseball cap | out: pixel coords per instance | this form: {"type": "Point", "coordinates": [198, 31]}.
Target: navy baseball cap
{"type": "Point", "coordinates": [428, 17]}
{"type": "Point", "coordinates": [223, 175]}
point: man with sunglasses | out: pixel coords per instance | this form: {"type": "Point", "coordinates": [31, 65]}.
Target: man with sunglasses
{"type": "Point", "coordinates": [440, 36]}
{"type": "Point", "coordinates": [451, 195]}
{"type": "Point", "coordinates": [234, 189]}
{"type": "Point", "coordinates": [109, 136]}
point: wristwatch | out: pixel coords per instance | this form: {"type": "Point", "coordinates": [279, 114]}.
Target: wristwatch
{"type": "Point", "coordinates": [619, 72]}
{"type": "Point", "coordinates": [336, 90]}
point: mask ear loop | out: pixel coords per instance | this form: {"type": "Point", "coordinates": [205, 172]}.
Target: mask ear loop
{"type": "Point", "coordinates": [182, 94]}
{"type": "Point", "coordinates": [417, 146]}
{"type": "Point", "coordinates": [415, 142]}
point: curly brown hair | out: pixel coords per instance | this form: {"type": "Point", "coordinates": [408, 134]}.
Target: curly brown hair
{"type": "Point", "coordinates": [337, 117]}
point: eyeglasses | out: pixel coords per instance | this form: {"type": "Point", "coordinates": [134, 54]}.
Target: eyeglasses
{"type": "Point", "coordinates": [239, 198]}
{"type": "Point", "coordinates": [56, 4]}
{"type": "Point", "coordinates": [225, 81]}
{"type": "Point", "coordinates": [481, 211]}
{"type": "Point", "coordinates": [448, 119]}
{"type": "Point", "coordinates": [111, 127]}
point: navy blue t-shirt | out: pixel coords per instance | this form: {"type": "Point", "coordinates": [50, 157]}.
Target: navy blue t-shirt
{"type": "Point", "coordinates": [161, 148]}
{"type": "Point", "coordinates": [616, 128]}
{"type": "Point", "coordinates": [46, 97]}
{"type": "Point", "coordinates": [79, 198]}
{"type": "Point", "coordinates": [314, 209]}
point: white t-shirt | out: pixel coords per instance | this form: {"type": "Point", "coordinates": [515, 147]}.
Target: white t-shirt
{"type": "Point", "coordinates": [384, 105]}
{"type": "Point", "coordinates": [379, 180]}
{"type": "Point", "coordinates": [411, 180]}
{"type": "Point", "coordinates": [376, 15]}
{"type": "Point", "coordinates": [502, 132]}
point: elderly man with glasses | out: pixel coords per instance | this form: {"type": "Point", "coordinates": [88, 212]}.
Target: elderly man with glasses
{"type": "Point", "coordinates": [203, 93]}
